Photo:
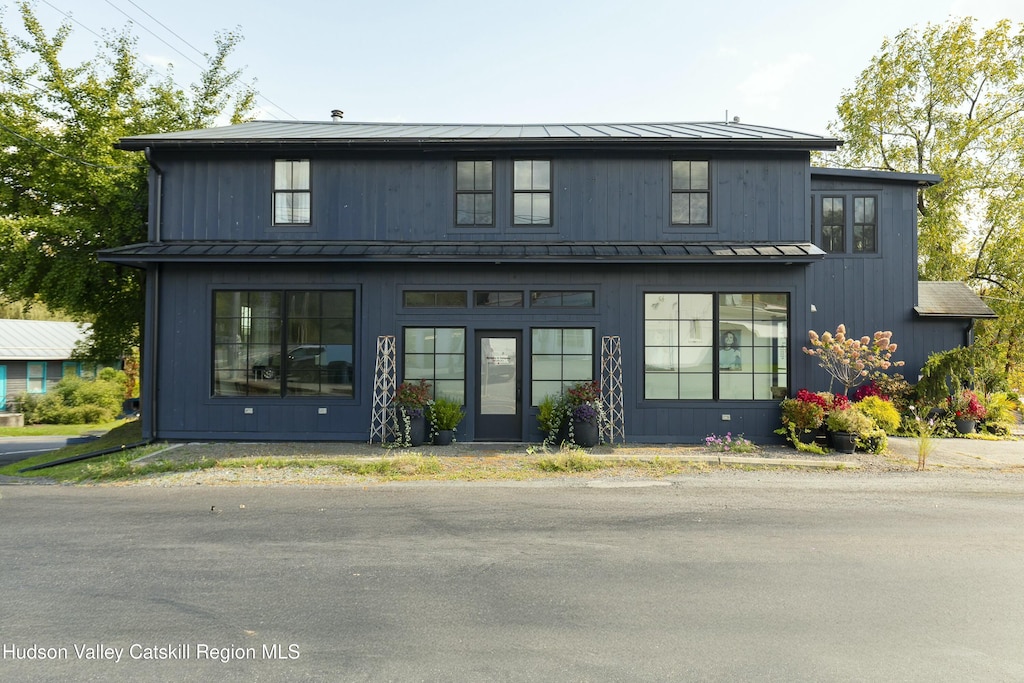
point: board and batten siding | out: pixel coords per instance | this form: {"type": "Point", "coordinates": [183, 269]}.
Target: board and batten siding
{"type": "Point", "coordinates": [412, 199]}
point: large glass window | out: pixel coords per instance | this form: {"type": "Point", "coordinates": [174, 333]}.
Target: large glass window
{"type": "Point", "coordinates": [753, 333]}
{"type": "Point", "coordinates": [474, 193]}
{"type": "Point", "coordinates": [291, 192]}
{"type": "Point", "coordinates": [724, 346]}
{"type": "Point", "coordinates": [865, 225]}
{"type": "Point", "coordinates": [559, 358]}
{"type": "Point", "coordinates": [833, 224]}
{"type": "Point", "coordinates": [678, 346]}
{"type": "Point", "coordinates": [531, 192]}
{"type": "Point", "coordinates": [284, 343]}
{"type": "Point", "coordinates": [36, 378]}
{"type": "Point", "coordinates": [691, 193]}
{"type": "Point", "coordinates": [438, 355]}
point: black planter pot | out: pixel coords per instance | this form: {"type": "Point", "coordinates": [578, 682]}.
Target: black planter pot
{"type": "Point", "coordinates": [444, 437]}
{"type": "Point", "coordinates": [844, 442]}
{"type": "Point", "coordinates": [585, 434]}
{"type": "Point", "coordinates": [417, 427]}
{"type": "Point", "coordinates": [807, 435]}
{"type": "Point", "coordinates": [965, 426]}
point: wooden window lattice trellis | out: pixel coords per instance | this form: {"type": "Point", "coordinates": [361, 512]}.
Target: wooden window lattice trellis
{"type": "Point", "coordinates": [611, 388]}
{"type": "Point", "coordinates": [385, 377]}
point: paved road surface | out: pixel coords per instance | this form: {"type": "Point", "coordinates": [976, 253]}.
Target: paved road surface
{"type": "Point", "coordinates": [754, 576]}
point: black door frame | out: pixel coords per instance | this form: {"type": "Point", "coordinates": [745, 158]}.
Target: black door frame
{"type": "Point", "coordinates": [498, 427]}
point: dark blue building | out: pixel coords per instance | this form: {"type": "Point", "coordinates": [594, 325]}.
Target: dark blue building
{"type": "Point", "coordinates": [499, 257]}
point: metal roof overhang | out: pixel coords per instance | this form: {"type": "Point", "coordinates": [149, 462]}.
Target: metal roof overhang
{"type": "Point", "coordinates": [139, 255]}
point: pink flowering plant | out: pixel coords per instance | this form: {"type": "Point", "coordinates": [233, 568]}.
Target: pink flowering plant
{"type": "Point", "coordinates": [729, 444]}
{"type": "Point", "coordinates": [852, 361]}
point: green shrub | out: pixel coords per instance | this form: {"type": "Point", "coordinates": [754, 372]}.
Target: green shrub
{"type": "Point", "coordinates": [884, 413]}
{"type": "Point", "coordinates": [75, 401]}
{"type": "Point", "coordinates": [873, 440]}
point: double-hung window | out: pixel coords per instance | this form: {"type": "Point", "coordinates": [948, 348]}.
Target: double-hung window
{"type": "Point", "coordinates": [531, 192]}
{"type": "Point", "coordinates": [474, 193]}
{"type": "Point", "coordinates": [865, 225]}
{"type": "Point", "coordinates": [691, 193]}
{"type": "Point", "coordinates": [833, 224]}
{"type": "Point", "coordinates": [291, 192]}
{"type": "Point", "coordinates": [36, 378]}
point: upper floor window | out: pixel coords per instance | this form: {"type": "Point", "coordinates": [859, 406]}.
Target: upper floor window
{"type": "Point", "coordinates": [833, 224]}
{"type": "Point", "coordinates": [531, 192]}
{"type": "Point", "coordinates": [474, 193]}
{"type": "Point", "coordinates": [865, 225]}
{"type": "Point", "coordinates": [291, 192]}
{"type": "Point", "coordinates": [691, 193]}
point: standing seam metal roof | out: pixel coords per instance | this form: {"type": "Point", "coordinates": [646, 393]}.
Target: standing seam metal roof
{"type": "Point", "coordinates": [39, 339]}
{"type": "Point", "coordinates": [341, 131]}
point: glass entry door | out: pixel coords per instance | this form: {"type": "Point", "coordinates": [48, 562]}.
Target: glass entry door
{"type": "Point", "coordinates": [499, 405]}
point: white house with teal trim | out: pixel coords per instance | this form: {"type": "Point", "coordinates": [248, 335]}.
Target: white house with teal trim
{"type": "Point", "coordinates": [36, 354]}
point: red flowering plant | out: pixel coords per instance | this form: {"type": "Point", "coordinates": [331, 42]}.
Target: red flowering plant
{"type": "Point", "coordinates": [966, 406]}
{"type": "Point", "coordinates": [412, 397]}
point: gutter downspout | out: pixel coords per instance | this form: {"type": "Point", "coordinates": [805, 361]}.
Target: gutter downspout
{"type": "Point", "coordinates": [153, 305]}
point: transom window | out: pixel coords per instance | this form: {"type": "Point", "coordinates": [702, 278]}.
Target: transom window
{"type": "Point", "coordinates": [435, 299]}
{"type": "Point", "coordinates": [560, 358]}
{"type": "Point", "coordinates": [291, 192]}
{"type": "Point", "coordinates": [833, 224]}
{"type": "Point", "coordinates": [562, 299]}
{"type": "Point", "coordinates": [531, 192]}
{"type": "Point", "coordinates": [691, 193]}
{"type": "Point", "coordinates": [715, 346]}
{"type": "Point", "coordinates": [498, 299]}
{"type": "Point", "coordinates": [474, 193]}
{"type": "Point", "coordinates": [438, 355]}
{"type": "Point", "coordinates": [865, 225]}
{"type": "Point", "coordinates": [284, 343]}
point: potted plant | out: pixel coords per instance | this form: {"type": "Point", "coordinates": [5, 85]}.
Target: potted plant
{"type": "Point", "coordinates": [410, 402]}
{"type": "Point", "coordinates": [444, 414]}
{"type": "Point", "coordinates": [846, 425]}
{"type": "Point", "coordinates": [802, 417]}
{"type": "Point", "coordinates": [967, 411]}
{"type": "Point", "coordinates": [584, 413]}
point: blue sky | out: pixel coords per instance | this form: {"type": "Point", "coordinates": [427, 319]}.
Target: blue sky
{"type": "Point", "coordinates": [780, 64]}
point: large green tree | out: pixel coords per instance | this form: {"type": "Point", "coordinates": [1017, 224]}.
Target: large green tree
{"type": "Point", "coordinates": [65, 192]}
{"type": "Point", "coordinates": [949, 99]}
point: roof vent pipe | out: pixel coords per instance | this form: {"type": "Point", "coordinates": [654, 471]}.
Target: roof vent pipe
{"type": "Point", "coordinates": [337, 115]}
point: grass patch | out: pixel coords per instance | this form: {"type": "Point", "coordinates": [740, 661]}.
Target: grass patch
{"type": "Point", "coordinates": [59, 430]}
{"type": "Point", "coordinates": [126, 433]}
{"type": "Point", "coordinates": [411, 466]}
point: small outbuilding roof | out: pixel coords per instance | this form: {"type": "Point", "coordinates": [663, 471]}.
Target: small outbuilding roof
{"type": "Point", "coordinates": [39, 339]}
{"type": "Point", "coordinates": [950, 300]}
{"type": "Point", "coordinates": [345, 134]}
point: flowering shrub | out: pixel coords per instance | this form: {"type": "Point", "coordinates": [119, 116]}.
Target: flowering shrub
{"type": "Point", "coordinates": [966, 406]}
{"type": "Point", "coordinates": [728, 444]}
{"type": "Point", "coordinates": [801, 413]}
{"type": "Point", "coordinates": [851, 361]}
{"type": "Point", "coordinates": [869, 389]}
